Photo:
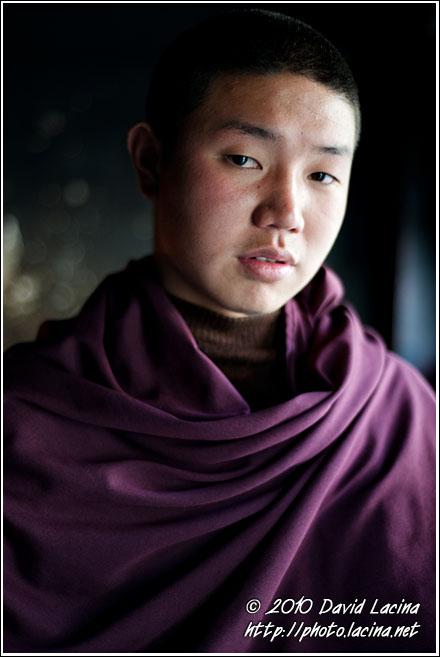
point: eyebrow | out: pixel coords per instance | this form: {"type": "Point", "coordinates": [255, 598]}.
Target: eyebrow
{"type": "Point", "coordinates": [333, 150]}
{"type": "Point", "coordinates": [268, 135]}
{"type": "Point", "coordinates": [250, 129]}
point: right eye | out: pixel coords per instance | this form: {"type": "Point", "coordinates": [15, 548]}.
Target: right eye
{"type": "Point", "coordinates": [243, 161]}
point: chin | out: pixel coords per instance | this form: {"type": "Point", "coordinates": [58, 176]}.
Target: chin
{"type": "Point", "coordinates": [256, 307]}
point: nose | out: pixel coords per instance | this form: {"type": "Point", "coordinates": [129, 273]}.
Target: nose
{"type": "Point", "coordinates": [281, 209]}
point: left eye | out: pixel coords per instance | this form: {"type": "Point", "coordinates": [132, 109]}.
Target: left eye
{"type": "Point", "coordinates": [322, 177]}
{"type": "Point", "coordinates": [243, 161]}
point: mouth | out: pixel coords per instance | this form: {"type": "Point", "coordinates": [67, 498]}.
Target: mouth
{"type": "Point", "coordinates": [267, 264]}
{"type": "Point", "coordinates": [262, 259]}
{"type": "Point", "coordinates": [271, 254]}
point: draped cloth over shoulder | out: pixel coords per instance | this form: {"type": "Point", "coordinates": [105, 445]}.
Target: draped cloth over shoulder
{"type": "Point", "coordinates": [145, 504]}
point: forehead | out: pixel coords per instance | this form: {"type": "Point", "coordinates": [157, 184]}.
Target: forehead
{"type": "Point", "coordinates": [290, 105]}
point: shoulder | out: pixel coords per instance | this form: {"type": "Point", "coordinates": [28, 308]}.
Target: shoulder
{"type": "Point", "coordinates": [116, 295]}
{"type": "Point", "coordinates": [408, 412]}
{"type": "Point", "coordinates": [407, 379]}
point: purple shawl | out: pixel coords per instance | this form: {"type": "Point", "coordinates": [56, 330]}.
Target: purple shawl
{"type": "Point", "coordinates": [145, 504]}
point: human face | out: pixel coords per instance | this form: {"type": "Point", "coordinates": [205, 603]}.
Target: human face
{"type": "Point", "coordinates": [261, 170]}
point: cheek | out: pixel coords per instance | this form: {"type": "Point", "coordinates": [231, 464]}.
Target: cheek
{"type": "Point", "coordinates": [215, 201]}
{"type": "Point", "coordinates": [214, 184]}
{"type": "Point", "coordinates": [203, 214]}
{"type": "Point", "coordinates": [323, 221]}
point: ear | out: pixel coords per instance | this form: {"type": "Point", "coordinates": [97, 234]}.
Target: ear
{"type": "Point", "coordinates": [145, 153]}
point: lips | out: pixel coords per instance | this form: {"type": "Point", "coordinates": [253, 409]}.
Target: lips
{"type": "Point", "coordinates": [280, 256]}
{"type": "Point", "coordinates": [268, 264]}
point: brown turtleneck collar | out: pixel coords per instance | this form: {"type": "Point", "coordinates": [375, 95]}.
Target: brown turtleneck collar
{"type": "Point", "coordinates": [250, 351]}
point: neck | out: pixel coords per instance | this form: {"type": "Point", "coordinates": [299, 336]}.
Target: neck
{"type": "Point", "coordinates": [249, 350]}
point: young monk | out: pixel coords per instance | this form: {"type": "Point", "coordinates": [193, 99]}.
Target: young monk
{"type": "Point", "coordinates": [215, 455]}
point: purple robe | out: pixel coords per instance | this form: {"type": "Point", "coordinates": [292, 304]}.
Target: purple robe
{"type": "Point", "coordinates": [145, 504]}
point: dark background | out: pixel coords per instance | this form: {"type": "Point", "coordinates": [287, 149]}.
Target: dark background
{"type": "Point", "coordinates": [75, 79]}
